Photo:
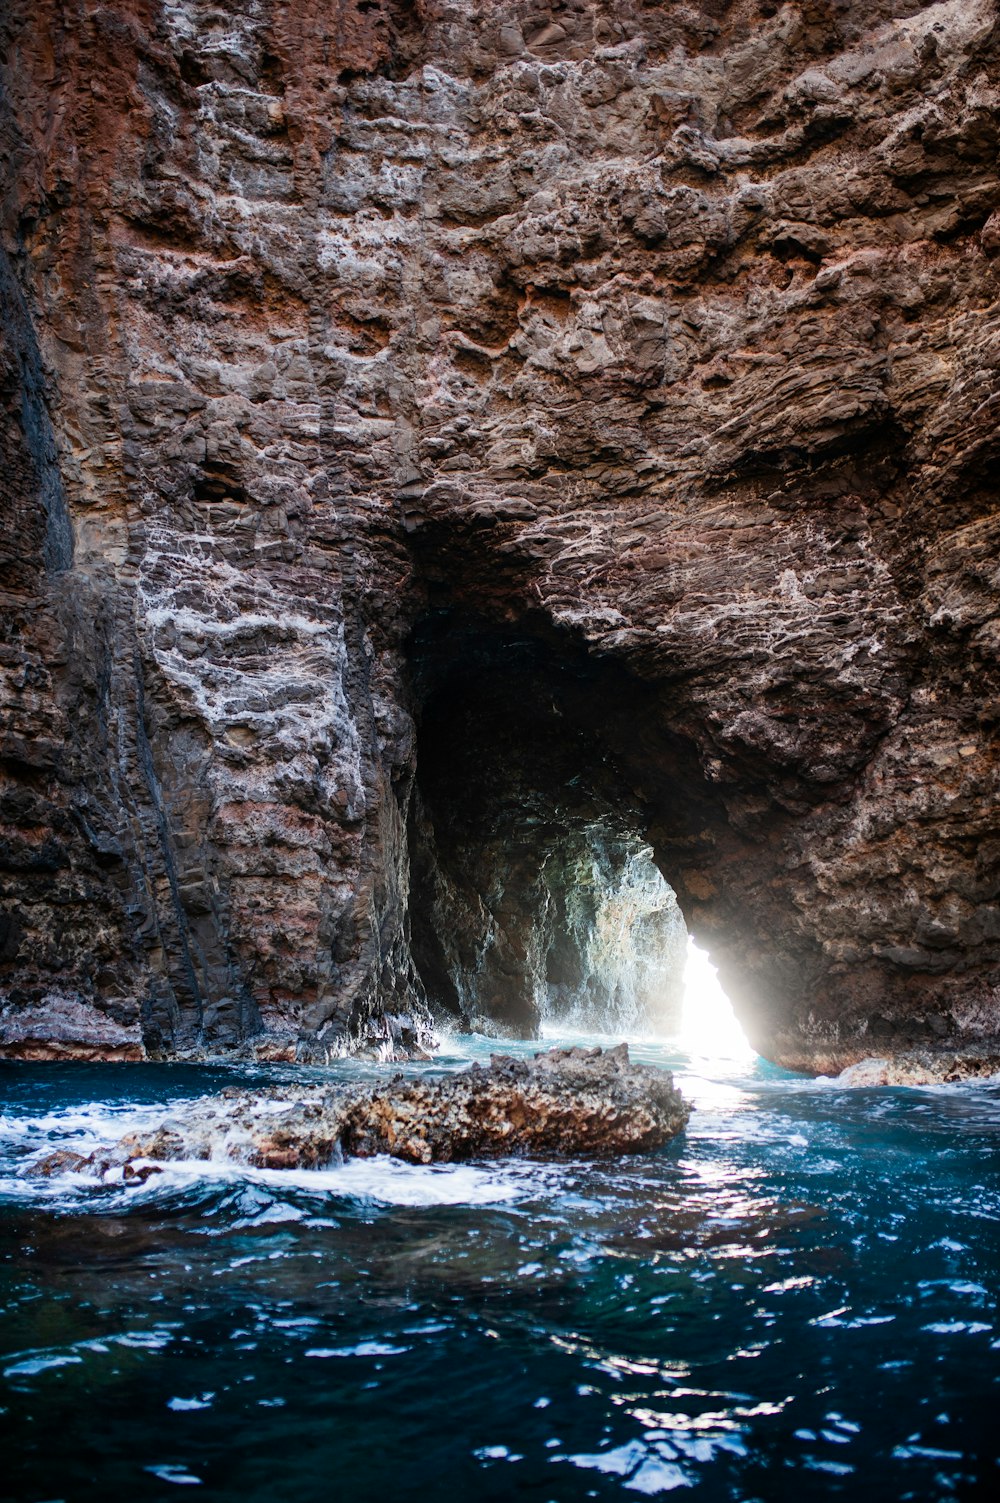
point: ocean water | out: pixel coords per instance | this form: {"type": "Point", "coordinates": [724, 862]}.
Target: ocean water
{"type": "Point", "coordinates": [795, 1300]}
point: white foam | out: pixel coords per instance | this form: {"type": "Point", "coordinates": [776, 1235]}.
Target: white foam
{"type": "Point", "coordinates": [395, 1183]}
{"type": "Point", "coordinates": [173, 1473]}
{"type": "Point", "coordinates": [362, 1349]}
{"type": "Point", "coordinates": [31, 1366]}
{"type": "Point", "coordinates": [380, 1180]}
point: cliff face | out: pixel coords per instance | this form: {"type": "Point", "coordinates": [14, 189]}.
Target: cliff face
{"type": "Point", "coordinates": [651, 351]}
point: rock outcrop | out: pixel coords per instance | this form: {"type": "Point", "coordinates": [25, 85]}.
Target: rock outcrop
{"type": "Point", "coordinates": [566, 1101]}
{"type": "Point", "coordinates": [921, 1068]}
{"type": "Point", "coordinates": [640, 361]}
{"type": "Point", "coordinates": [66, 1028]}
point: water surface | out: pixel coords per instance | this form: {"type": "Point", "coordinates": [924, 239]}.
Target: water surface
{"type": "Point", "coordinates": [796, 1299]}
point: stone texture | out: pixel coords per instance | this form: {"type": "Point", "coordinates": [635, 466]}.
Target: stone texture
{"type": "Point", "coordinates": [661, 338]}
{"type": "Point", "coordinates": [65, 1028]}
{"type": "Point", "coordinates": [921, 1068]}
{"type": "Point", "coordinates": [567, 1101]}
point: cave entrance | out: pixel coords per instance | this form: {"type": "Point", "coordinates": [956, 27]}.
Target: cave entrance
{"type": "Point", "coordinates": [709, 1026]}
{"type": "Point", "coordinates": [535, 896]}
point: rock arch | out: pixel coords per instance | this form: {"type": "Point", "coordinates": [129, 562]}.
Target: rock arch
{"type": "Point", "coordinates": [664, 340]}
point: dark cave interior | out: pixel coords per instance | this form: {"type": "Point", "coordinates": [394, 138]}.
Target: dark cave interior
{"type": "Point", "coordinates": [534, 894]}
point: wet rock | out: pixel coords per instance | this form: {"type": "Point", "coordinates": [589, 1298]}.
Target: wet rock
{"type": "Point", "coordinates": [63, 1027]}
{"type": "Point", "coordinates": [920, 1069]}
{"type": "Point", "coordinates": [62, 1161]}
{"type": "Point", "coordinates": [138, 1174]}
{"type": "Point", "coordinates": [575, 1101]}
{"type": "Point", "coordinates": [564, 1102]}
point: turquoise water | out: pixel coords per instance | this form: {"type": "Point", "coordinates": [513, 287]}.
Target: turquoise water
{"type": "Point", "coordinates": [795, 1300]}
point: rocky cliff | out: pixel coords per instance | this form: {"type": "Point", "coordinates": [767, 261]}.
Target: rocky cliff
{"type": "Point", "coordinates": [456, 440]}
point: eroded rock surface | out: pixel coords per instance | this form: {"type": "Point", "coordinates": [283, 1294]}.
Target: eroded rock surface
{"type": "Point", "coordinates": [566, 1101]}
{"type": "Point", "coordinates": [921, 1068]}
{"type": "Point", "coordinates": [66, 1028]}
{"type": "Point", "coordinates": [662, 340]}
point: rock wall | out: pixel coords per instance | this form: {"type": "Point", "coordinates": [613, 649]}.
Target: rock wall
{"type": "Point", "coordinates": [619, 943]}
{"type": "Point", "coordinates": [663, 337]}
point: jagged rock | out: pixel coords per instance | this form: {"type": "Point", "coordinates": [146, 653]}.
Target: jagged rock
{"type": "Point", "coordinates": [66, 1028]}
{"type": "Point", "coordinates": [436, 433]}
{"type": "Point", "coordinates": [920, 1069]}
{"type": "Point", "coordinates": [138, 1174]}
{"type": "Point", "coordinates": [61, 1161]}
{"type": "Point", "coordinates": [566, 1101]}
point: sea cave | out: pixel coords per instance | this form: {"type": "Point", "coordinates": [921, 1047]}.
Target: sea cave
{"type": "Point", "coordinates": [499, 683]}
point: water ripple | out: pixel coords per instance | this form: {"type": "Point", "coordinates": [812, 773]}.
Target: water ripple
{"type": "Point", "coordinates": [797, 1298]}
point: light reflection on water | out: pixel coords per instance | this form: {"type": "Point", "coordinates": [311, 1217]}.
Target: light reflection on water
{"type": "Point", "coordinates": [796, 1299]}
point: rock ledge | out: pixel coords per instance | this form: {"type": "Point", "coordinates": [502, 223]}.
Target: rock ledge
{"type": "Point", "coordinates": [566, 1101]}
{"type": "Point", "coordinates": [917, 1068]}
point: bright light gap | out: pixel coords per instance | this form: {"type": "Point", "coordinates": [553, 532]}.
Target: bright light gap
{"type": "Point", "coordinates": [709, 1027]}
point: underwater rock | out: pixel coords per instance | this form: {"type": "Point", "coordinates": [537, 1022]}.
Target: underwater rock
{"type": "Point", "coordinates": [566, 1101]}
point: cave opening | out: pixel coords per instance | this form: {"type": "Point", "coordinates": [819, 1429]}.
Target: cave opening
{"type": "Point", "coordinates": [537, 898]}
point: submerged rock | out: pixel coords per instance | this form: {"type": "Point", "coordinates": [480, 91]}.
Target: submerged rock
{"type": "Point", "coordinates": [566, 1101]}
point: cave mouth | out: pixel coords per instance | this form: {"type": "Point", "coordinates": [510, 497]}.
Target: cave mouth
{"type": "Point", "coordinates": [535, 897]}
{"type": "Point", "coordinates": [709, 1028]}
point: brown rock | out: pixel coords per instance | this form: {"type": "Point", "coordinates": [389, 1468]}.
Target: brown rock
{"type": "Point", "coordinates": [62, 1161]}
{"type": "Point", "coordinates": [138, 1174]}
{"type": "Point", "coordinates": [568, 1101]}
{"type": "Point", "coordinates": [62, 1027]}
{"type": "Point", "coordinates": [919, 1069]}
{"type": "Point", "coordinates": [447, 443]}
